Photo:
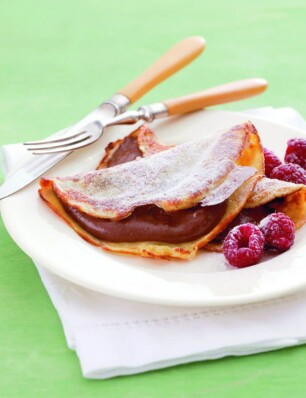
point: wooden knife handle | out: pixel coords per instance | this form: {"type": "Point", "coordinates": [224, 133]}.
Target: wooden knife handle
{"type": "Point", "coordinates": [172, 61]}
{"type": "Point", "coordinates": [217, 95]}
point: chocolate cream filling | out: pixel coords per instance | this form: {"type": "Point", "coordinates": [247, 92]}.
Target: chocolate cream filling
{"type": "Point", "coordinates": [126, 152]}
{"type": "Point", "coordinates": [150, 223]}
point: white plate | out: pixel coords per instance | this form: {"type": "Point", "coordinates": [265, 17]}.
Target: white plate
{"type": "Point", "coordinates": [205, 281]}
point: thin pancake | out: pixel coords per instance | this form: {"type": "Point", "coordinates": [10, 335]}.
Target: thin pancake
{"type": "Point", "coordinates": [293, 197]}
{"type": "Point", "coordinates": [178, 178]}
{"type": "Point", "coordinates": [236, 149]}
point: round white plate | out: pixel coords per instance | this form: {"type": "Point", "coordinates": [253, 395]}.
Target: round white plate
{"type": "Point", "coordinates": [204, 281]}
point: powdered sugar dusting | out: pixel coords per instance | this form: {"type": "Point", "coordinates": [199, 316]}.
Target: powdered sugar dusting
{"type": "Point", "coordinates": [174, 179]}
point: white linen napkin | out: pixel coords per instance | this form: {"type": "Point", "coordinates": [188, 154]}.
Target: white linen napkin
{"type": "Point", "coordinates": [115, 337]}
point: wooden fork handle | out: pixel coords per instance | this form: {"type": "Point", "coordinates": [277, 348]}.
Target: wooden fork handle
{"type": "Point", "coordinates": [172, 61]}
{"type": "Point", "coordinates": [215, 96]}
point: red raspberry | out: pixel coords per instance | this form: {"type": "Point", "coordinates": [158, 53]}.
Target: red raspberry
{"type": "Point", "coordinates": [289, 172]}
{"type": "Point", "coordinates": [271, 161]}
{"type": "Point", "coordinates": [244, 245]}
{"type": "Point", "coordinates": [279, 231]}
{"type": "Point", "coordinates": [296, 152]}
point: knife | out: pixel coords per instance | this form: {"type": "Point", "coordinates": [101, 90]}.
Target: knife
{"type": "Point", "coordinates": [180, 55]}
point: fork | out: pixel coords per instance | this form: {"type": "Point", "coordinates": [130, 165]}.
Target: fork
{"type": "Point", "coordinates": [93, 131]}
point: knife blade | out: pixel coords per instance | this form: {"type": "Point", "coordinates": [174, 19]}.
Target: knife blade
{"type": "Point", "coordinates": [29, 171]}
{"type": "Point", "coordinates": [37, 165]}
{"type": "Point", "coordinates": [172, 61]}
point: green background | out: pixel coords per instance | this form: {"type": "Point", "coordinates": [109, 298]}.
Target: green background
{"type": "Point", "coordinates": [58, 60]}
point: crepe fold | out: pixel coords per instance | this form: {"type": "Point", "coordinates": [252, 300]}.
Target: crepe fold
{"type": "Point", "coordinates": [282, 196]}
{"type": "Point", "coordinates": [222, 167]}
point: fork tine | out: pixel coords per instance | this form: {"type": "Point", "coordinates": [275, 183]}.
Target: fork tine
{"type": "Point", "coordinates": [60, 148]}
{"type": "Point", "coordinates": [60, 145]}
{"type": "Point", "coordinates": [42, 142]}
{"type": "Point", "coordinates": [65, 148]}
{"type": "Point", "coordinates": [91, 133]}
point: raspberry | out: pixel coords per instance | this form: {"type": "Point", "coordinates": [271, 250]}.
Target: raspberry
{"type": "Point", "coordinates": [289, 172]}
{"type": "Point", "coordinates": [278, 230]}
{"type": "Point", "coordinates": [296, 152]}
{"type": "Point", "coordinates": [244, 245]}
{"type": "Point", "coordinates": [271, 161]}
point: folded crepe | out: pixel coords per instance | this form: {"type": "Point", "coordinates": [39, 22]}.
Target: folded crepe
{"type": "Point", "coordinates": [139, 203]}
{"type": "Point", "coordinates": [268, 195]}
{"type": "Point", "coordinates": [283, 196]}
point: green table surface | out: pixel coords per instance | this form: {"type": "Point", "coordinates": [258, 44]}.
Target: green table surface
{"type": "Point", "coordinates": [58, 60]}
